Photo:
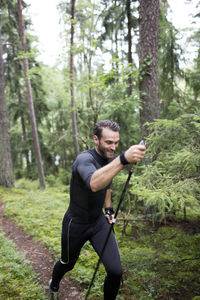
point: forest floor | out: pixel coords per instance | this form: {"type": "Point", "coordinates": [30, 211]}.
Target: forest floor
{"type": "Point", "coordinates": [162, 256]}
{"type": "Point", "coordinates": [42, 261]}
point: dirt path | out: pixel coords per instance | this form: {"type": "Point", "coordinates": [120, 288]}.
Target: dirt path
{"type": "Point", "coordinates": [41, 259]}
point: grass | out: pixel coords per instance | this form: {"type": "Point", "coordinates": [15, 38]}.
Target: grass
{"type": "Point", "coordinates": [161, 263]}
{"type": "Point", "coordinates": [38, 212]}
{"type": "Point", "coordinates": [17, 279]}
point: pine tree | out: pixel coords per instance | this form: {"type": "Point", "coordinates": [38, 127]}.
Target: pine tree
{"type": "Point", "coordinates": [30, 100]}
{"type": "Point", "coordinates": [73, 109]}
{"type": "Point", "coordinates": [6, 167]}
{"type": "Point", "coordinates": [148, 60]}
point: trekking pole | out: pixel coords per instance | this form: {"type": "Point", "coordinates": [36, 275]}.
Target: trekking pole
{"type": "Point", "coordinates": [112, 225]}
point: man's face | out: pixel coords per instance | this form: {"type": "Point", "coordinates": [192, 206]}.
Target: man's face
{"type": "Point", "coordinates": [108, 143]}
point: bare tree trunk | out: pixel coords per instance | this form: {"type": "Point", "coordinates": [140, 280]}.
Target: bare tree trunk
{"type": "Point", "coordinates": [130, 59]}
{"type": "Point", "coordinates": [30, 100]}
{"type": "Point", "coordinates": [73, 108]}
{"type": "Point", "coordinates": [18, 89]}
{"type": "Point", "coordinates": [91, 105]}
{"type": "Point", "coordinates": [24, 135]}
{"type": "Point", "coordinates": [148, 58]}
{"type": "Point", "coordinates": [6, 166]}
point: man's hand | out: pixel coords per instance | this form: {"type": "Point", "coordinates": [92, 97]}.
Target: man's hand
{"type": "Point", "coordinates": [135, 153]}
{"type": "Point", "coordinates": [110, 218]}
{"type": "Point", "coordinates": [109, 214]}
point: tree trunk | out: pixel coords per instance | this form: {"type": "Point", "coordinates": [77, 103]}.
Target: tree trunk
{"type": "Point", "coordinates": [24, 135]}
{"type": "Point", "coordinates": [6, 166]}
{"type": "Point", "coordinates": [73, 108]}
{"type": "Point", "coordinates": [18, 89]}
{"type": "Point", "coordinates": [91, 104]}
{"type": "Point", "coordinates": [130, 59]}
{"type": "Point", "coordinates": [30, 100]}
{"type": "Point", "coordinates": [148, 61]}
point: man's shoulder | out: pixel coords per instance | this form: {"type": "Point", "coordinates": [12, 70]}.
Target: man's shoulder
{"type": "Point", "coordinates": [83, 160]}
{"type": "Point", "coordinates": [86, 154]}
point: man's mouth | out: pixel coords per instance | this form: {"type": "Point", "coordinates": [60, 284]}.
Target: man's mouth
{"type": "Point", "coordinates": [111, 153]}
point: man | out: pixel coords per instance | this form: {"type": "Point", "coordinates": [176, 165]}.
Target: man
{"type": "Point", "coordinates": [92, 173]}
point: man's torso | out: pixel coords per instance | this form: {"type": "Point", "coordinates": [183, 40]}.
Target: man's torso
{"type": "Point", "coordinates": [85, 205]}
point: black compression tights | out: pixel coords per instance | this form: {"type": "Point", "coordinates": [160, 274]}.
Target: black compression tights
{"type": "Point", "coordinates": [96, 234]}
{"type": "Point", "coordinates": [111, 283]}
{"type": "Point", "coordinates": [59, 271]}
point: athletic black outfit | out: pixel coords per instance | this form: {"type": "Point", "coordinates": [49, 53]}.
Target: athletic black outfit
{"type": "Point", "coordinates": [83, 221]}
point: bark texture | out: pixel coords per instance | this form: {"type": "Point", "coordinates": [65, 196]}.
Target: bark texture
{"type": "Point", "coordinates": [148, 60]}
{"type": "Point", "coordinates": [73, 107]}
{"type": "Point", "coordinates": [6, 166]}
{"type": "Point", "coordinates": [129, 37]}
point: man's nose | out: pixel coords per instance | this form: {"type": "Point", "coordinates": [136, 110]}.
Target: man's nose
{"type": "Point", "coordinates": [113, 147]}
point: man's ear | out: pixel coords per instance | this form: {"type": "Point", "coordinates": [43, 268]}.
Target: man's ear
{"type": "Point", "coordinates": [95, 139]}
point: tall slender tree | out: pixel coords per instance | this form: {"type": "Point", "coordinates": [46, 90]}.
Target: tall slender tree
{"type": "Point", "coordinates": [168, 63]}
{"type": "Point", "coordinates": [6, 167]}
{"type": "Point", "coordinates": [129, 37]}
{"type": "Point", "coordinates": [119, 22]}
{"type": "Point", "coordinates": [148, 61]}
{"type": "Point", "coordinates": [73, 106]}
{"type": "Point", "coordinates": [17, 68]}
{"type": "Point", "coordinates": [30, 99]}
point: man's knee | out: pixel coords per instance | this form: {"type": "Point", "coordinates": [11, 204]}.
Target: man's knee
{"type": "Point", "coordinates": [68, 265]}
{"type": "Point", "coordinates": [115, 273]}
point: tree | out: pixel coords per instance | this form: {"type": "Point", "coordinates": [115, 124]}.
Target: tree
{"type": "Point", "coordinates": [193, 76]}
{"type": "Point", "coordinates": [30, 99]}
{"type": "Point", "coordinates": [73, 109]}
{"type": "Point", "coordinates": [148, 61]}
{"type": "Point", "coordinates": [172, 185]}
{"type": "Point", "coordinates": [6, 168]}
{"type": "Point", "coordinates": [16, 73]}
{"type": "Point", "coordinates": [129, 37]}
{"type": "Point", "coordinates": [15, 88]}
{"type": "Point", "coordinates": [169, 58]}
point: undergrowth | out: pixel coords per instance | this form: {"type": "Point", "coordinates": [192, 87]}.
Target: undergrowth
{"type": "Point", "coordinates": [17, 279]}
{"type": "Point", "coordinates": [159, 263]}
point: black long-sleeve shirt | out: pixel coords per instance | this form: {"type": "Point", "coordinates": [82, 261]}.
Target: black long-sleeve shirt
{"type": "Point", "coordinates": [86, 205]}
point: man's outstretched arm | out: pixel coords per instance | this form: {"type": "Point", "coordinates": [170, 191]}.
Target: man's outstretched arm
{"type": "Point", "coordinates": [103, 176]}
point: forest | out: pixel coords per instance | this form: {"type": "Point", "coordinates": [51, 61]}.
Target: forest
{"type": "Point", "coordinates": [124, 61]}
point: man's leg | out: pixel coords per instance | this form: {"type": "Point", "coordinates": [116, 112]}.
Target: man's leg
{"type": "Point", "coordinates": [73, 239]}
{"type": "Point", "coordinates": [59, 270]}
{"type": "Point", "coordinates": [111, 258]}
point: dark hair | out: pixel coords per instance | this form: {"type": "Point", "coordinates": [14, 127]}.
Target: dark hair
{"type": "Point", "coordinates": [105, 124]}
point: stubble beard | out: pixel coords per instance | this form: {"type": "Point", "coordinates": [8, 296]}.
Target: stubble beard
{"type": "Point", "coordinates": [102, 151]}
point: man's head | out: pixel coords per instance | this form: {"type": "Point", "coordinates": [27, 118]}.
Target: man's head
{"type": "Point", "coordinates": [106, 138]}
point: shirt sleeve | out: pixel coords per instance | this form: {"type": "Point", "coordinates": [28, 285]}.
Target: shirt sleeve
{"type": "Point", "coordinates": [86, 168]}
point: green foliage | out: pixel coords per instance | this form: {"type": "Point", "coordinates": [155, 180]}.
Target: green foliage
{"type": "Point", "coordinates": [32, 209]}
{"type": "Point", "coordinates": [158, 262]}
{"type": "Point", "coordinates": [40, 214]}
{"type": "Point", "coordinates": [161, 264]}
{"type": "Point", "coordinates": [22, 55]}
{"type": "Point", "coordinates": [17, 279]}
{"type": "Point", "coordinates": [84, 269]}
{"type": "Point", "coordinates": [167, 184]}
{"type": "Point", "coordinates": [119, 106]}
{"type": "Point", "coordinates": [169, 64]}
{"type": "Point", "coordinates": [170, 183]}
{"type": "Point", "coordinates": [26, 184]}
